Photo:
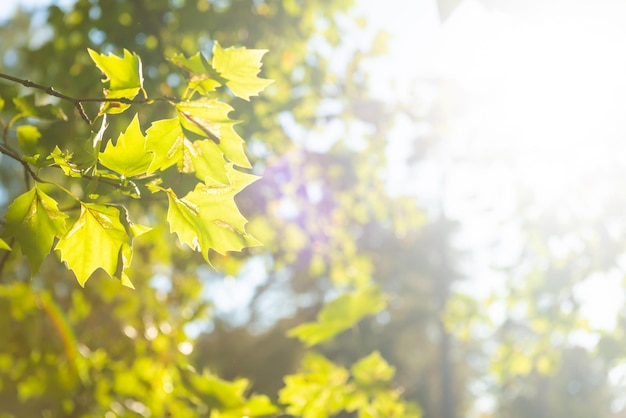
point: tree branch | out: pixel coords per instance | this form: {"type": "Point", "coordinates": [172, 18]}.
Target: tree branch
{"type": "Point", "coordinates": [78, 102]}
{"type": "Point", "coordinates": [9, 153]}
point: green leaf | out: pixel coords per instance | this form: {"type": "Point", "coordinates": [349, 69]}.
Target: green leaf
{"type": "Point", "coordinates": [34, 220]}
{"type": "Point", "coordinates": [166, 141]}
{"type": "Point", "coordinates": [317, 391]}
{"type": "Point", "coordinates": [168, 145]}
{"type": "Point", "coordinates": [340, 314]}
{"type": "Point", "coordinates": [208, 218]}
{"type": "Point", "coordinates": [123, 75]}
{"type": "Point", "coordinates": [209, 163]}
{"type": "Point", "coordinates": [372, 370]}
{"type": "Point", "coordinates": [1, 104]}
{"type": "Point", "coordinates": [64, 161]}
{"type": "Point", "coordinates": [240, 67]}
{"type": "Point", "coordinates": [4, 245]}
{"type": "Point", "coordinates": [27, 107]}
{"type": "Point", "coordinates": [198, 69]}
{"type": "Point", "coordinates": [95, 241]}
{"type": "Point", "coordinates": [209, 119]}
{"type": "Point", "coordinates": [128, 156]}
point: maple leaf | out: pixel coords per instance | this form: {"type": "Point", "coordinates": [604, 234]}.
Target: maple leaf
{"type": "Point", "coordinates": [209, 119]}
{"type": "Point", "coordinates": [165, 139]}
{"type": "Point", "coordinates": [208, 161]}
{"type": "Point", "coordinates": [34, 220]}
{"type": "Point", "coordinates": [128, 156]}
{"type": "Point", "coordinates": [208, 218]}
{"type": "Point", "coordinates": [123, 75]}
{"type": "Point", "coordinates": [240, 67]}
{"type": "Point", "coordinates": [96, 240]}
{"type": "Point", "coordinates": [198, 69]}
{"type": "Point", "coordinates": [169, 145]}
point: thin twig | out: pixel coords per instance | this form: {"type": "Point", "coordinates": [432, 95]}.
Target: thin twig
{"type": "Point", "coordinates": [78, 102]}
{"type": "Point", "coordinates": [52, 92]}
{"type": "Point", "coordinates": [9, 153]}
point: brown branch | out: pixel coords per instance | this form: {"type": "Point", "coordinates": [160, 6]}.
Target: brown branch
{"type": "Point", "coordinates": [52, 92]}
{"type": "Point", "coordinates": [78, 102]}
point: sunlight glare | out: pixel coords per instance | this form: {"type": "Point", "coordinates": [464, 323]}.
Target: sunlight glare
{"type": "Point", "coordinates": [549, 94]}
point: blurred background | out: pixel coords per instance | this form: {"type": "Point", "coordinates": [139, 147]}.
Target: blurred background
{"type": "Point", "coordinates": [465, 155]}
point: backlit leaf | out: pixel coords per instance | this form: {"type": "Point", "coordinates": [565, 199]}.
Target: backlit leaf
{"type": "Point", "coordinates": [198, 69]}
{"type": "Point", "coordinates": [34, 220]}
{"type": "Point", "coordinates": [128, 156]}
{"type": "Point", "coordinates": [165, 139]}
{"type": "Point", "coordinates": [208, 218]}
{"type": "Point", "coordinates": [209, 119]}
{"type": "Point", "coordinates": [123, 75]}
{"type": "Point", "coordinates": [94, 241]}
{"type": "Point", "coordinates": [208, 162]}
{"type": "Point", "coordinates": [240, 67]}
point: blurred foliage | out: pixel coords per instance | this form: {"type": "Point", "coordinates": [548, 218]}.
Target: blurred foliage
{"type": "Point", "coordinates": [121, 352]}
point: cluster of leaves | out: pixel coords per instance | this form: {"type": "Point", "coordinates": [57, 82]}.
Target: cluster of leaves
{"type": "Point", "coordinates": [134, 364]}
{"type": "Point", "coordinates": [323, 389]}
{"type": "Point", "coordinates": [199, 140]}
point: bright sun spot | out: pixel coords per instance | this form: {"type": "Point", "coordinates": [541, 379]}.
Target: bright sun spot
{"type": "Point", "coordinates": [533, 102]}
{"type": "Point", "coordinates": [550, 91]}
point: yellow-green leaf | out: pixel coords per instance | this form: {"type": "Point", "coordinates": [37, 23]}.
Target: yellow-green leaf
{"type": "Point", "coordinates": [197, 67]}
{"type": "Point", "coordinates": [208, 218]}
{"type": "Point", "coordinates": [165, 139]}
{"type": "Point", "coordinates": [34, 220]}
{"type": "Point", "coordinates": [209, 119]}
{"type": "Point", "coordinates": [128, 156]}
{"type": "Point", "coordinates": [123, 75]}
{"type": "Point", "coordinates": [94, 241]}
{"type": "Point", "coordinates": [240, 67]}
{"type": "Point", "coordinates": [208, 162]}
